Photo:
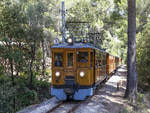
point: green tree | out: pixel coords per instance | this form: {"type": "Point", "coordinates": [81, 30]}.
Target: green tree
{"type": "Point", "coordinates": [11, 32]}
{"type": "Point", "coordinates": [23, 26]}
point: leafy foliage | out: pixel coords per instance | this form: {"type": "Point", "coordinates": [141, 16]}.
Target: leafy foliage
{"type": "Point", "coordinates": [22, 26]}
{"type": "Point", "coordinates": [143, 61]}
{"type": "Point", "coordinates": [23, 95]}
{"type": "Point", "coordinates": [25, 25]}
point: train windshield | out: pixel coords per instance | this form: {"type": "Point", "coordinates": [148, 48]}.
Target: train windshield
{"type": "Point", "coordinates": [70, 60]}
{"type": "Point", "coordinates": [58, 59]}
{"type": "Point", "coordinates": [83, 57]}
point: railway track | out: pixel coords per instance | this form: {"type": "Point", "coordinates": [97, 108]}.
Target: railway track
{"type": "Point", "coordinates": [70, 106]}
{"type": "Point", "coordinates": [65, 107]}
{"type": "Point", "coordinates": [55, 107]}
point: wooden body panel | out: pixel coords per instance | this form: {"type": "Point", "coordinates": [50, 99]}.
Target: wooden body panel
{"type": "Point", "coordinates": [58, 80]}
{"type": "Point", "coordinates": [100, 65]}
{"type": "Point", "coordinates": [70, 70]}
{"type": "Point", "coordinates": [75, 69]}
{"type": "Point", "coordinates": [110, 63]}
{"type": "Point", "coordinates": [96, 69]}
{"type": "Point", "coordinates": [88, 80]}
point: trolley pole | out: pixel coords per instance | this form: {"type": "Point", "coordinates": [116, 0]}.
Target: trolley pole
{"type": "Point", "coordinates": [63, 22]}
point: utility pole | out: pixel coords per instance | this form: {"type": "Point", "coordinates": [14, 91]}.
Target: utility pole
{"type": "Point", "coordinates": [63, 22]}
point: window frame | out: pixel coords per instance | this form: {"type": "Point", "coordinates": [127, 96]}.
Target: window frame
{"type": "Point", "coordinates": [67, 59]}
{"type": "Point", "coordinates": [86, 56]}
{"type": "Point", "coordinates": [55, 52]}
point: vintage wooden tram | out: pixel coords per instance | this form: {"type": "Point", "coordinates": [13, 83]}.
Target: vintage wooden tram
{"type": "Point", "coordinates": [77, 68]}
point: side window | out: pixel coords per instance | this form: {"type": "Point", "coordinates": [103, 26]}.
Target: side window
{"type": "Point", "coordinates": [104, 59]}
{"type": "Point", "coordinates": [83, 57]}
{"type": "Point", "coordinates": [97, 57]}
{"type": "Point", "coordinates": [91, 59]}
{"type": "Point", "coordinates": [70, 59]}
{"type": "Point", "coordinates": [101, 58]}
{"type": "Point", "coordinates": [58, 59]}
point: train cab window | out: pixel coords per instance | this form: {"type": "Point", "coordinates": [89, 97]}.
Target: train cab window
{"type": "Point", "coordinates": [58, 59]}
{"type": "Point", "coordinates": [83, 57]}
{"type": "Point", "coordinates": [70, 59]}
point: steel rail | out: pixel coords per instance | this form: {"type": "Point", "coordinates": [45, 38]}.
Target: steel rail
{"type": "Point", "coordinates": [55, 107]}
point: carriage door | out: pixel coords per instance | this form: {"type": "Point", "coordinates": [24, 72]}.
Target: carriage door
{"type": "Point", "coordinates": [70, 67]}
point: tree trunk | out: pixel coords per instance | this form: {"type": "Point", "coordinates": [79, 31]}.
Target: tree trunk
{"type": "Point", "coordinates": [48, 49]}
{"type": "Point", "coordinates": [31, 64]}
{"type": "Point", "coordinates": [13, 84]}
{"type": "Point", "coordinates": [131, 89]}
{"type": "Point", "coordinates": [31, 72]}
{"type": "Point", "coordinates": [44, 57]}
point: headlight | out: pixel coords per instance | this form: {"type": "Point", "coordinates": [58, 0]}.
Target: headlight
{"type": "Point", "coordinates": [57, 74]}
{"type": "Point", "coordinates": [69, 40]}
{"type": "Point", "coordinates": [82, 74]}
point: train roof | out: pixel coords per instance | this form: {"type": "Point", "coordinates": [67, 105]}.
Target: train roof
{"type": "Point", "coordinates": [77, 45]}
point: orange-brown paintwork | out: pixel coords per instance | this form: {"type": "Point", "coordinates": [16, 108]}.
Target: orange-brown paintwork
{"type": "Point", "coordinates": [72, 71]}
{"type": "Point", "coordinates": [111, 63]}
{"type": "Point", "coordinates": [92, 74]}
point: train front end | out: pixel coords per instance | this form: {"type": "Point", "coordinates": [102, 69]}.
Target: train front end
{"type": "Point", "coordinates": [72, 71]}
